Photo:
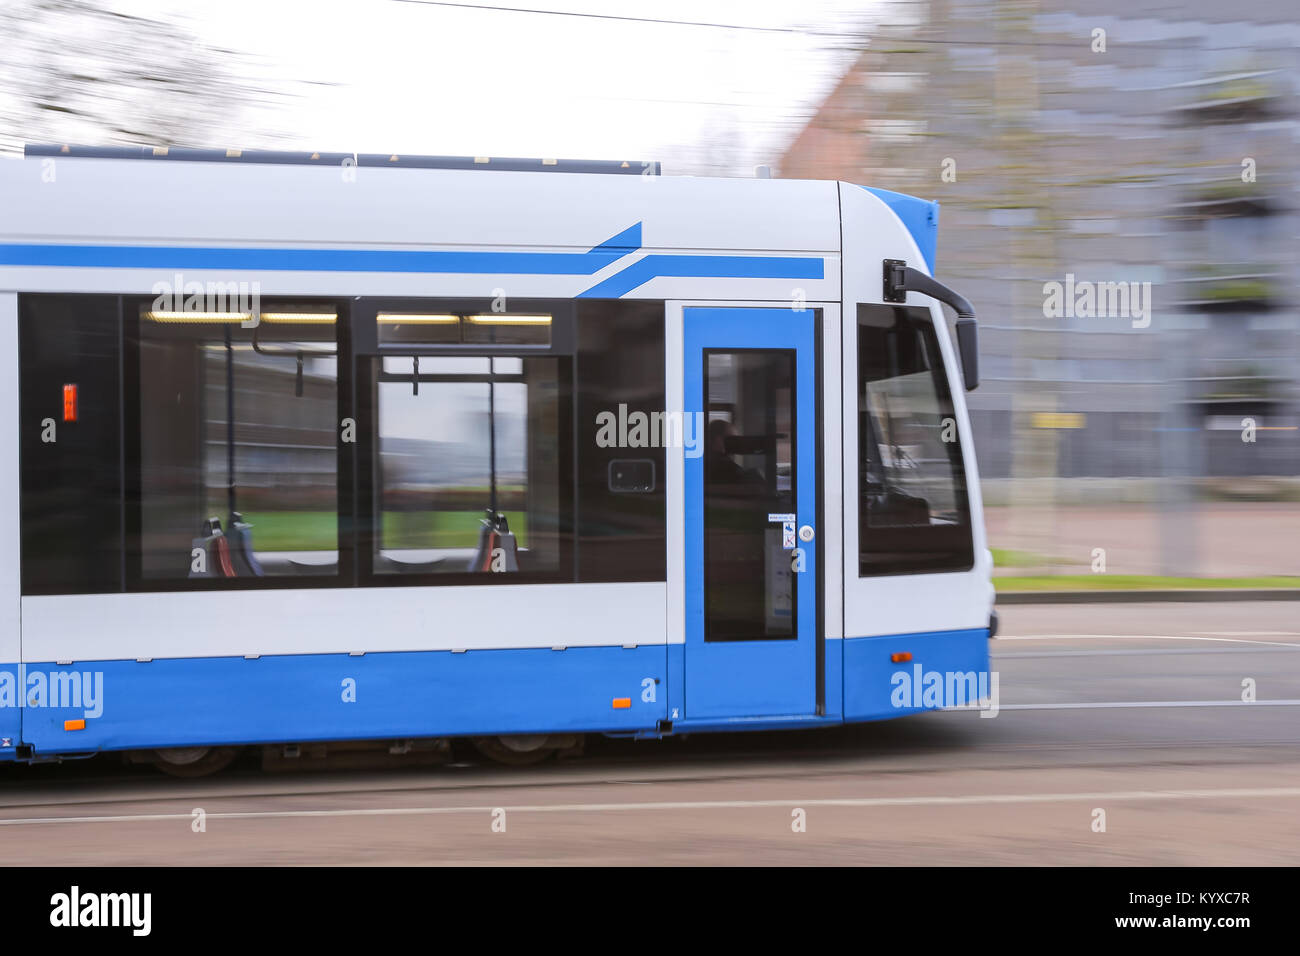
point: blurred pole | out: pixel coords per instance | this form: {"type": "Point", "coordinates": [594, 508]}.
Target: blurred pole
{"type": "Point", "coordinates": [1180, 422]}
{"type": "Point", "coordinates": [1034, 451]}
{"type": "Point", "coordinates": [1179, 512]}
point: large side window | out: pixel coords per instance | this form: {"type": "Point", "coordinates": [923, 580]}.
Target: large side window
{"type": "Point", "coordinates": [472, 472]}
{"type": "Point", "coordinates": [913, 513]}
{"type": "Point", "coordinates": [466, 441]}
{"type": "Point", "coordinates": [329, 443]}
{"type": "Point", "coordinates": [237, 445]}
{"type": "Point", "coordinates": [505, 446]}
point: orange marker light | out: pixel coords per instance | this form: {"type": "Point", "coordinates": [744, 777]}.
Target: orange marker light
{"type": "Point", "coordinates": [622, 703]}
{"type": "Point", "coordinates": [69, 403]}
{"type": "Point", "coordinates": [74, 725]}
{"type": "Point", "coordinates": [902, 657]}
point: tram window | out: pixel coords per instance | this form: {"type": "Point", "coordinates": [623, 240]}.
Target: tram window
{"type": "Point", "coordinates": [472, 474]}
{"type": "Point", "coordinates": [621, 523]}
{"type": "Point", "coordinates": [70, 456]}
{"type": "Point", "coordinates": [749, 470]}
{"type": "Point", "coordinates": [913, 513]}
{"type": "Point", "coordinates": [237, 444]}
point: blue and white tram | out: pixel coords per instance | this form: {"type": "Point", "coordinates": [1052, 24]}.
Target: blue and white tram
{"type": "Point", "coordinates": [332, 447]}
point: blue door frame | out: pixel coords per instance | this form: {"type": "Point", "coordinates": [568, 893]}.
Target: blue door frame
{"type": "Point", "coordinates": [753, 678]}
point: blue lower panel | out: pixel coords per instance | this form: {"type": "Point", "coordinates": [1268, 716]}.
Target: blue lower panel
{"type": "Point", "coordinates": [947, 668]}
{"type": "Point", "coordinates": [172, 703]}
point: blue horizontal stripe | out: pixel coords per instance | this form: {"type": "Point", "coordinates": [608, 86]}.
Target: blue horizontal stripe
{"type": "Point", "coordinates": [324, 260]}
{"type": "Point", "coordinates": [312, 260]}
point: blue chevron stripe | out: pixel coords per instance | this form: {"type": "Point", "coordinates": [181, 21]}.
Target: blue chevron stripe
{"type": "Point", "coordinates": [411, 261]}
{"type": "Point", "coordinates": [713, 267]}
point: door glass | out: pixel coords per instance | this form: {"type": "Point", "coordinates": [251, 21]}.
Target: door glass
{"type": "Point", "coordinates": [749, 468]}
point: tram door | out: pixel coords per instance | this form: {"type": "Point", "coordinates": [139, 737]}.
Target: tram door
{"type": "Point", "coordinates": [751, 508]}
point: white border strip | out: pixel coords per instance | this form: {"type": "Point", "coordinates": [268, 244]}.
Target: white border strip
{"type": "Point", "coordinates": [865, 802]}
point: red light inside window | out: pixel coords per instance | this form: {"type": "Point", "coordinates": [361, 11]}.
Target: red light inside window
{"type": "Point", "coordinates": [69, 403]}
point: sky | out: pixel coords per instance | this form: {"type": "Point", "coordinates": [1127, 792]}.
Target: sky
{"type": "Point", "coordinates": [400, 76]}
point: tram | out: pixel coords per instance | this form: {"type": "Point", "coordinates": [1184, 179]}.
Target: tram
{"type": "Point", "coordinates": [313, 448]}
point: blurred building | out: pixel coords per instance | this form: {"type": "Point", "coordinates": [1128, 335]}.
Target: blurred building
{"type": "Point", "coordinates": [1103, 142]}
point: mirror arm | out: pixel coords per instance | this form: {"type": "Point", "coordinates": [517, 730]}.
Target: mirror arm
{"type": "Point", "coordinates": [900, 279]}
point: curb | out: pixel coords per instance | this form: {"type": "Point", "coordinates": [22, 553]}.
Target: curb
{"type": "Point", "coordinates": [1196, 595]}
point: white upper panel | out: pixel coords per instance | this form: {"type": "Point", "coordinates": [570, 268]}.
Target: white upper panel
{"type": "Point", "coordinates": [111, 200]}
{"type": "Point", "coordinates": [754, 239]}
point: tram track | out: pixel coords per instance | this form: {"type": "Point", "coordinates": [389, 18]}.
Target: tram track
{"type": "Point", "coordinates": [630, 769]}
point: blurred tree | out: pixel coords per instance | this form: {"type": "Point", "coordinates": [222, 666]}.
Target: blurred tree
{"type": "Point", "coordinates": [719, 149]}
{"type": "Point", "coordinates": [83, 71]}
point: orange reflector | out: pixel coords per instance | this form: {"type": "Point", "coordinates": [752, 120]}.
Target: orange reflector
{"type": "Point", "coordinates": [69, 403]}
{"type": "Point", "coordinates": [74, 725]}
{"type": "Point", "coordinates": [622, 703]}
{"type": "Point", "coordinates": [902, 657]}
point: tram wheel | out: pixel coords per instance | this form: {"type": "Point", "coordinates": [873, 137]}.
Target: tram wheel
{"type": "Point", "coordinates": [516, 750]}
{"type": "Point", "coordinates": [194, 761]}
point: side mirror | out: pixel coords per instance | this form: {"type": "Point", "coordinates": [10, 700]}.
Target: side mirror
{"type": "Point", "coordinates": [899, 280]}
{"type": "Point", "coordinates": [968, 348]}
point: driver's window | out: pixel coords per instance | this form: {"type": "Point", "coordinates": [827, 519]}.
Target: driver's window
{"type": "Point", "coordinates": [913, 513]}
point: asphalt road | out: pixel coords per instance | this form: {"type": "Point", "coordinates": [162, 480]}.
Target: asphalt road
{"type": "Point", "coordinates": [1183, 769]}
